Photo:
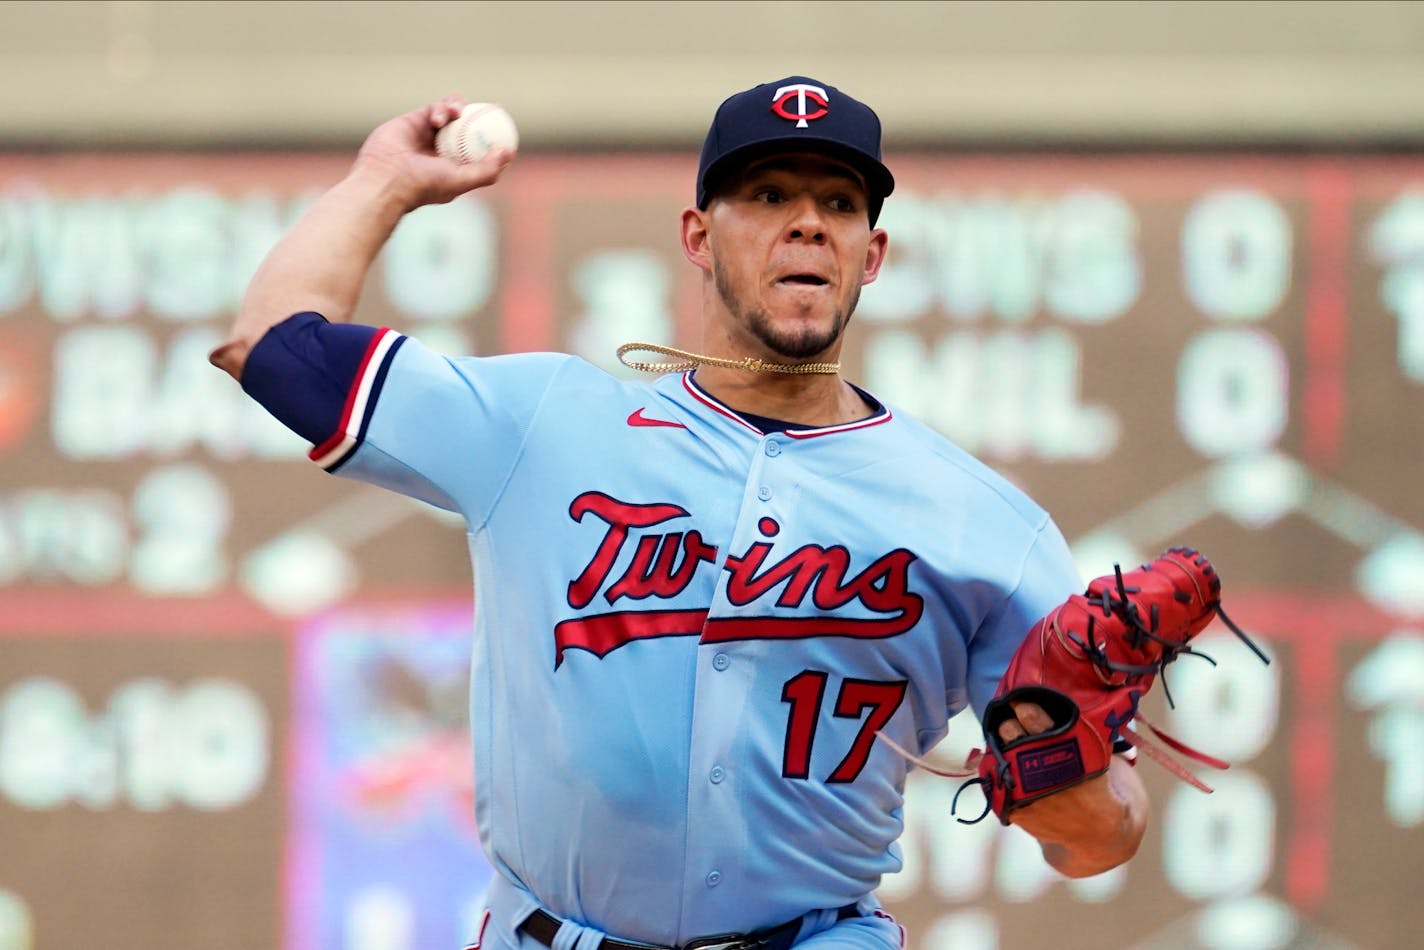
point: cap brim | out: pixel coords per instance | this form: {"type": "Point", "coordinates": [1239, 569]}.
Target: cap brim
{"type": "Point", "coordinates": [878, 181]}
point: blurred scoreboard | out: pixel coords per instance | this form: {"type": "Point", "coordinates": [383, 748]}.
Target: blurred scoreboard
{"type": "Point", "coordinates": [232, 687]}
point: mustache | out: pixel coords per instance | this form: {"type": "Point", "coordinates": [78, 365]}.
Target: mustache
{"type": "Point", "coordinates": [797, 346]}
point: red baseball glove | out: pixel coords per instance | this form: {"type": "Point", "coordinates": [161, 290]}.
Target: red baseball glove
{"type": "Point", "coordinates": [1088, 664]}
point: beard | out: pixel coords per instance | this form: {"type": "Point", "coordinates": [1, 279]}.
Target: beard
{"type": "Point", "coordinates": [792, 344]}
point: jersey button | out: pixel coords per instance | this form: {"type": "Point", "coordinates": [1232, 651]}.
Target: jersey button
{"type": "Point", "coordinates": [714, 878]}
{"type": "Point", "coordinates": [721, 661]}
{"type": "Point", "coordinates": [717, 774]}
{"type": "Point", "coordinates": [764, 493]}
{"type": "Point", "coordinates": [773, 449]}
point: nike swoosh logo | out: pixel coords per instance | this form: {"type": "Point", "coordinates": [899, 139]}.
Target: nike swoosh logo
{"type": "Point", "coordinates": [636, 418]}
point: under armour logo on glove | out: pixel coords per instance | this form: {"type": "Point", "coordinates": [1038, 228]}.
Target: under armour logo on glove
{"type": "Point", "coordinates": [1087, 665]}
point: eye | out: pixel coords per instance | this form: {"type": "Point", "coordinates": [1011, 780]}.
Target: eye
{"type": "Point", "coordinates": [843, 203]}
{"type": "Point", "coordinates": [769, 195]}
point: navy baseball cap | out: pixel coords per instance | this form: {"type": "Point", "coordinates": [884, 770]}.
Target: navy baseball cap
{"type": "Point", "coordinates": [796, 113]}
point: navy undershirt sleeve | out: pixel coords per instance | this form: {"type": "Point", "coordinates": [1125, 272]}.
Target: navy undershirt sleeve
{"type": "Point", "coordinates": [303, 370]}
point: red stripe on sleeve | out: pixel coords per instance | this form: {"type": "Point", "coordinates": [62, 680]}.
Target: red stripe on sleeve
{"type": "Point", "coordinates": [340, 433]}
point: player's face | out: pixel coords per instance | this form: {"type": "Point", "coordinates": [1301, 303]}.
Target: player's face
{"type": "Point", "coordinates": [790, 245]}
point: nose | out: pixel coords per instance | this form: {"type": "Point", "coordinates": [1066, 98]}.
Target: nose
{"type": "Point", "coordinates": [805, 222]}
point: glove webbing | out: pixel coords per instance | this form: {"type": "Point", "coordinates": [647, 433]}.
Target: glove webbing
{"type": "Point", "coordinates": [1138, 632]}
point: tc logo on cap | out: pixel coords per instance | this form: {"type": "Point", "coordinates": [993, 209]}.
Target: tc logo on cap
{"type": "Point", "coordinates": [790, 102]}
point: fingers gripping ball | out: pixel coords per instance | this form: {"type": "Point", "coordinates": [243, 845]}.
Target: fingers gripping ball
{"type": "Point", "coordinates": [480, 127]}
{"type": "Point", "coordinates": [1087, 665]}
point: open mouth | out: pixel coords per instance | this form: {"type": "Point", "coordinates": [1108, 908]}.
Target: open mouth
{"type": "Point", "coordinates": [805, 280]}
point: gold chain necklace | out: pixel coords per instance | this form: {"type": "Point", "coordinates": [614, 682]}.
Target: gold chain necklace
{"type": "Point", "coordinates": [686, 361]}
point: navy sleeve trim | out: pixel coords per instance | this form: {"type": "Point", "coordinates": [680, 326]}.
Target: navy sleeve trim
{"type": "Point", "coordinates": [321, 380]}
{"type": "Point", "coordinates": [360, 401]}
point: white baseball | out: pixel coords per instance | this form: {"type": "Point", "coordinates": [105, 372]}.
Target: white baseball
{"type": "Point", "coordinates": [480, 127]}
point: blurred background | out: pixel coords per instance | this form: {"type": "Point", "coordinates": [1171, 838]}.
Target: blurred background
{"type": "Point", "coordinates": [1162, 264]}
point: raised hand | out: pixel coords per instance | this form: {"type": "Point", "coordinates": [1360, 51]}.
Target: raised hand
{"type": "Point", "coordinates": [402, 150]}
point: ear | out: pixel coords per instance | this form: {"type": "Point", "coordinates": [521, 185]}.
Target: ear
{"type": "Point", "coordinates": [875, 255]}
{"type": "Point", "coordinates": [695, 242]}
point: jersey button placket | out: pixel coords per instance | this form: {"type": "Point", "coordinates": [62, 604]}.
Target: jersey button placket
{"type": "Point", "coordinates": [721, 661]}
{"type": "Point", "coordinates": [773, 448]}
{"type": "Point", "coordinates": [714, 878]}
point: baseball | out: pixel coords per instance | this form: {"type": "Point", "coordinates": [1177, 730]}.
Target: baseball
{"type": "Point", "coordinates": [480, 127]}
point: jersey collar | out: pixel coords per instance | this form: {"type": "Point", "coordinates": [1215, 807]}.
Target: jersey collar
{"type": "Point", "coordinates": [702, 396]}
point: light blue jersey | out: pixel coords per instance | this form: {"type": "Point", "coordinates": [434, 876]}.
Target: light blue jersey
{"type": "Point", "coordinates": [688, 632]}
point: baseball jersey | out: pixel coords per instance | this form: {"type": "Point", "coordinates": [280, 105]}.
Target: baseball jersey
{"type": "Point", "coordinates": [688, 632]}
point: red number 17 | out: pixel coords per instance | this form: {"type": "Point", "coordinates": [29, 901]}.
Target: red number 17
{"type": "Point", "coordinates": [804, 692]}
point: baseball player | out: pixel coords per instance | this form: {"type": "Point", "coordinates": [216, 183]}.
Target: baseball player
{"type": "Point", "coordinates": [713, 602]}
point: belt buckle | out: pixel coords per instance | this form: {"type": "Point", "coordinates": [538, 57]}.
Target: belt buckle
{"type": "Point", "coordinates": [726, 942]}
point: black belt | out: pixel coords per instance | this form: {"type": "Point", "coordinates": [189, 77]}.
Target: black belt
{"type": "Point", "coordinates": [542, 927]}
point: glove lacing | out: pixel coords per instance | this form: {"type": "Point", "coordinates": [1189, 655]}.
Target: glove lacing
{"type": "Point", "coordinates": [1138, 633]}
